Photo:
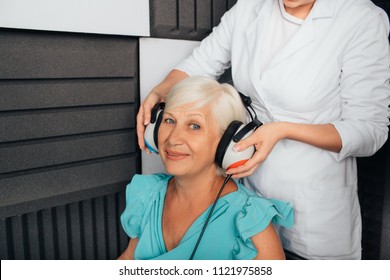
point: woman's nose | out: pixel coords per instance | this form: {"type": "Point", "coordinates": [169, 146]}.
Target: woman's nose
{"type": "Point", "coordinates": [176, 136]}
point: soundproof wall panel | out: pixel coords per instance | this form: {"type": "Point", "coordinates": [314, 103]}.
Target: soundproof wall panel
{"type": "Point", "coordinates": [68, 103]}
{"type": "Point", "coordinates": [186, 19]}
{"type": "Point", "coordinates": [80, 230]}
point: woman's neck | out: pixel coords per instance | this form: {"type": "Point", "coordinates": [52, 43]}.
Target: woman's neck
{"type": "Point", "coordinates": [301, 11]}
{"type": "Point", "coordinates": [194, 188]}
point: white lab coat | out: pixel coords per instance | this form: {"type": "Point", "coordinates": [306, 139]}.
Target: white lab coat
{"type": "Point", "coordinates": [334, 70]}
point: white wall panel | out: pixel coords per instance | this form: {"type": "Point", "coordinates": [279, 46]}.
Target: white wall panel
{"type": "Point", "coordinates": [157, 58]}
{"type": "Point", "coordinates": [121, 17]}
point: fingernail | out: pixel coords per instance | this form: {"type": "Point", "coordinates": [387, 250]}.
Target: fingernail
{"type": "Point", "coordinates": [146, 123]}
{"type": "Point", "coordinates": [237, 148]}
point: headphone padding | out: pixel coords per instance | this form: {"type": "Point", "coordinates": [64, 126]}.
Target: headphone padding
{"type": "Point", "coordinates": [225, 141]}
{"type": "Point", "coordinates": [157, 126]}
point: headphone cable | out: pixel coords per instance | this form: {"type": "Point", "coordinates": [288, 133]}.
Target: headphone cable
{"type": "Point", "coordinates": [247, 101]}
{"type": "Point", "coordinates": [209, 216]}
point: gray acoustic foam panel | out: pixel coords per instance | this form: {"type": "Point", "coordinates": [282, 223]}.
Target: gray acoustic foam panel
{"type": "Point", "coordinates": [86, 229]}
{"type": "Point", "coordinates": [67, 142]}
{"type": "Point", "coordinates": [186, 19]}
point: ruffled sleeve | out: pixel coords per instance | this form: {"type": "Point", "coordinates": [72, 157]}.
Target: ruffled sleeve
{"type": "Point", "coordinates": [138, 195]}
{"type": "Point", "coordinates": [254, 217]}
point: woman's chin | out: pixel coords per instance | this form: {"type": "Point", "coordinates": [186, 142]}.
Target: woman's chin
{"type": "Point", "coordinates": [175, 171]}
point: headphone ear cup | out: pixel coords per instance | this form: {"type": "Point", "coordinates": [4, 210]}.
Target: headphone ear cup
{"type": "Point", "coordinates": [151, 130]}
{"type": "Point", "coordinates": [149, 138]}
{"type": "Point", "coordinates": [228, 158]}
{"type": "Point", "coordinates": [225, 141]}
{"type": "Point", "coordinates": [234, 159]}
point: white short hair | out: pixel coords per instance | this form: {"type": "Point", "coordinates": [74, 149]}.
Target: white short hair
{"type": "Point", "coordinates": [223, 99]}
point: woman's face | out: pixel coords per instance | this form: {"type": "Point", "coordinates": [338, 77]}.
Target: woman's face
{"type": "Point", "coordinates": [187, 141]}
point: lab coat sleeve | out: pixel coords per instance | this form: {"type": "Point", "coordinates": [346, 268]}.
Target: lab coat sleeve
{"type": "Point", "coordinates": [365, 89]}
{"type": "Point", "coordinates": [212, 57]}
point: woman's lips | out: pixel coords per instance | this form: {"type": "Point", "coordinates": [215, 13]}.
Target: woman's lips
{"type": "Point", "coordinates": [174, 155]}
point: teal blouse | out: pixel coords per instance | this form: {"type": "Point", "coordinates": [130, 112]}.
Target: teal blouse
{"type": "Point", "coordinates": [236, 218]}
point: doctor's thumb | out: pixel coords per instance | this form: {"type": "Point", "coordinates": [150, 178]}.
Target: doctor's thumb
{"type": "Point", "coordinates": [240, 146]}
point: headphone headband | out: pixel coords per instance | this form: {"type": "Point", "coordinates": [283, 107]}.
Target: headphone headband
{"type": "Point", "coordinates": [253, 125]}
{"type": "Point", "coordinates": [155, 110]}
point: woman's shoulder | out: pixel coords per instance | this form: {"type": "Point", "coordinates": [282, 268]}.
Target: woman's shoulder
{"type": "Point", "coordinates": [243, 194]}
{"type": "Point", "coordinates": [257, 209]}
{"type": "Point", "coordinates": [141, 192]}
{"type": "Point", "coordinates": [150, 179]}
{"type": "Point", "coordinates": [147, 185]}
{"type": "Point", "coordinates": [252, 215]}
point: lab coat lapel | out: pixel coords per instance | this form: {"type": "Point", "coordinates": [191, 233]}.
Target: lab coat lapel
{"type": "Point", "coordinates": [255, 35]}
{"type": "Point", "coordinates": [306, 34]}
{"type": "Point", "coordinates": [262, 12]}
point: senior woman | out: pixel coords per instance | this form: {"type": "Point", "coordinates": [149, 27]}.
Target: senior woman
{"type": "Point", "coordinates": [165, 214]}
{"type": "Point", "coordinates": [318, 74]}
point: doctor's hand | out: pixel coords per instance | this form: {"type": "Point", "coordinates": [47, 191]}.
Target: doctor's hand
{"type": "Point", "coordinates": [264, 139]}
{"type": "Point", "coordinates": [323, 136]}
{"type": "Point", "coordinates": [157, 95]}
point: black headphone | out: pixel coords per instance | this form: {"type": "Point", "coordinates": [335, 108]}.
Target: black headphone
{"type": "Point", "coordinates": [225, 156]}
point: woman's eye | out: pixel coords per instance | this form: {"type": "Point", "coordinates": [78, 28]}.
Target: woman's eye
{"type": "Point", "coordinates": [194, 126]}
{"type": "Point", "coordinates": [169, 121]}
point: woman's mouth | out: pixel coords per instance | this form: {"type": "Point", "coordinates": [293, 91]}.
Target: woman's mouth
{"type": "Point", "coordinates": [174, 155]}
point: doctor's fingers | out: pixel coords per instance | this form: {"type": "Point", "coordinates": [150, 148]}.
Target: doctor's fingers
{"type": "Point", "coordinates": [255, 139]}
{"type": "Point", "coordinates": [265, 136]}
{"type": "Point", "coordinates": [243, 170]}
{"type": "Point", "coordinates": [248, 167]}
{"type": "Point", "coordinates": [141, 129]}
{"type": "Point", "coordinates": [145, 110]}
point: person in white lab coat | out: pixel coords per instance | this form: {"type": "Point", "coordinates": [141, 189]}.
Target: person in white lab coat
{"type": "Point", "coordinates": [318, 74]}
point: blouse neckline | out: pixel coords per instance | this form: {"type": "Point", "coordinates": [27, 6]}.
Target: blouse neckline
{"type": "Point", "coordinates": [199, 221]}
